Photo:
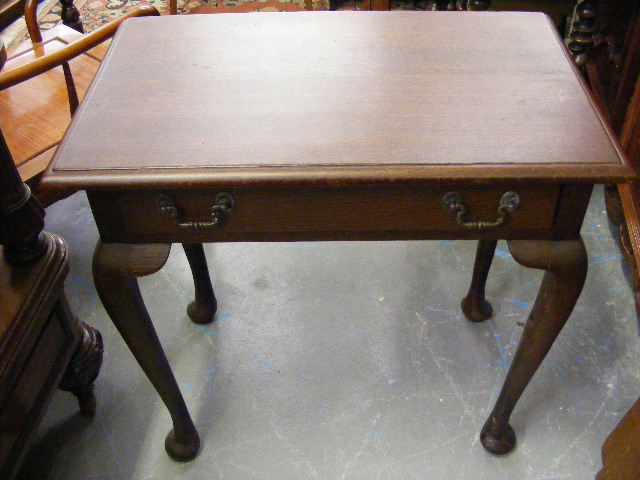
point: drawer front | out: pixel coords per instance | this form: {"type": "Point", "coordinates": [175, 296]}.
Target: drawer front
{"type": "Point", "coordinates": [322, 213]}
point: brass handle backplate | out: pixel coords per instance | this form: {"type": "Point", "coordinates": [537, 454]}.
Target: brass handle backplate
{"type": "Point", "coordinates": [223, 204]}
{"type": "Point", "coordinates": [509, 202]}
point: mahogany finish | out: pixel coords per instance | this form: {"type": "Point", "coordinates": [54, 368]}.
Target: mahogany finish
{"type": "Point", "coordinates": [204, 305]}
{"type": "Point", "coordinates": [475, 307]}
{"type": "Point", "coordinates": [330, 213]}
{"type": "Point", "coordinates": [338, 125]}
{"type": "Point", "coordinates": [116, 270]}
{"type": "Point", "coordinates": [565, 266]}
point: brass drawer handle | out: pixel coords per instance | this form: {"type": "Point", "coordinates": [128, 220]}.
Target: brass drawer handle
{"type": "Point", "coordinates": [509, 202]}
{"type": "Point", "coordinates": [223, 205]}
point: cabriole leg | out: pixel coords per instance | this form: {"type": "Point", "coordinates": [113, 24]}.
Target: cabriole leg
{"type": "Point", "coordinates": [116, 269]}
{"type": "Point", "coordinates": [204, 306]}
{"type": "Point", "coordinates": [565, 265]}
{"type": "Point", "coordinates": [474, 305]}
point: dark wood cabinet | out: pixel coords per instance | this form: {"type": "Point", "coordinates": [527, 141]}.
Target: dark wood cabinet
{"type": "Point", "coordinates": [620, 457]}
{"type": "Point", "coordinates": [42, 344]}
{"type": "Point", "coordinates": [612, 66]}
{"type": "Point", "coordinates": [38, 335]}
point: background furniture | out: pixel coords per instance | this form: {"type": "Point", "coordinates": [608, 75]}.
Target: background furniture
{"type": "Point", "coordinates": [620, 457]}
{"type": "Point", "coordinates": [612, 67]}
{"type": "Point", "coordinates": [10, 10]}
{"type": "Point", "coordinates": [40, 338]}
{"type": "Point", "coordinates": [48, 77]}
{"type": "Point", "coordinates": [609, 49]}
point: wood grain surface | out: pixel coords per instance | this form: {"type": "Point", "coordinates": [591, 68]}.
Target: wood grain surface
{"type": "Point", "coordinates": [336, 97]}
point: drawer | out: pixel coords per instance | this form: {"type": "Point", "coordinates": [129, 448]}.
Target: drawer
{"type": "Point", "coordinates": [322, 213]}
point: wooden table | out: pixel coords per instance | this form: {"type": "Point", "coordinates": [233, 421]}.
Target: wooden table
{"type": "Point", "coordinates": [338, 126]}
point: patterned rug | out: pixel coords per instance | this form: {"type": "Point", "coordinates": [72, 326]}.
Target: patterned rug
{"type": "Point", "coordinates": [95, 13]}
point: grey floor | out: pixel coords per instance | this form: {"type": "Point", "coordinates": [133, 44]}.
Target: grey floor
{"type": "Point", "coordinates": [347, 361]}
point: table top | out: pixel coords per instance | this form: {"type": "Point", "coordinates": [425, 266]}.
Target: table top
{"type": "Point", "coordinates": [336, 97]}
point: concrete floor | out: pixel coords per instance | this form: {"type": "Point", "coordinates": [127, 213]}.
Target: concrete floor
{"type": "Point", "coordinates": [347, 361]}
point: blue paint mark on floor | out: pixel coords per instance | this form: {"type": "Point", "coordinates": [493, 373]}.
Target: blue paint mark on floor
{"type": "Point", "coordinates": [504, 362]}
{"type": "Point", "coordinates": [265, 364]}
{"type": "Point", "coordinates": [607, 257]}
{"type": "Point", "coordinates": [520, 303]}
{"type": "Point", "coordinates": [559, 369]}
{"type": "Point", "coordinates": [208, 332]}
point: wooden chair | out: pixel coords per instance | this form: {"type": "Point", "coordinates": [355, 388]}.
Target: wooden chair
{"type": "Point", "coordinates": [41, 84]}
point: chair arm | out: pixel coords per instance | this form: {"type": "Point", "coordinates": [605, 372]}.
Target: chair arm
{"type": "Point", "coordinates": [70, 51]}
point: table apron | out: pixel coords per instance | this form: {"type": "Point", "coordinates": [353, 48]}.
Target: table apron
{"type": "Point", "coordinates": [391, 212]}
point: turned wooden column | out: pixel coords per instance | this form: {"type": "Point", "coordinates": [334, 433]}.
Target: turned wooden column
{"type": "Point", "coordinates": [583, 30]}
{"type": "Point", "coordinates": [24, 243]}
{"type": "Point", "coordinates": [21, 216]}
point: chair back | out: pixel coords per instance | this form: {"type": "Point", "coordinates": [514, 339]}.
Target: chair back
{"type": "Point", "coordinates": [41, 85]}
